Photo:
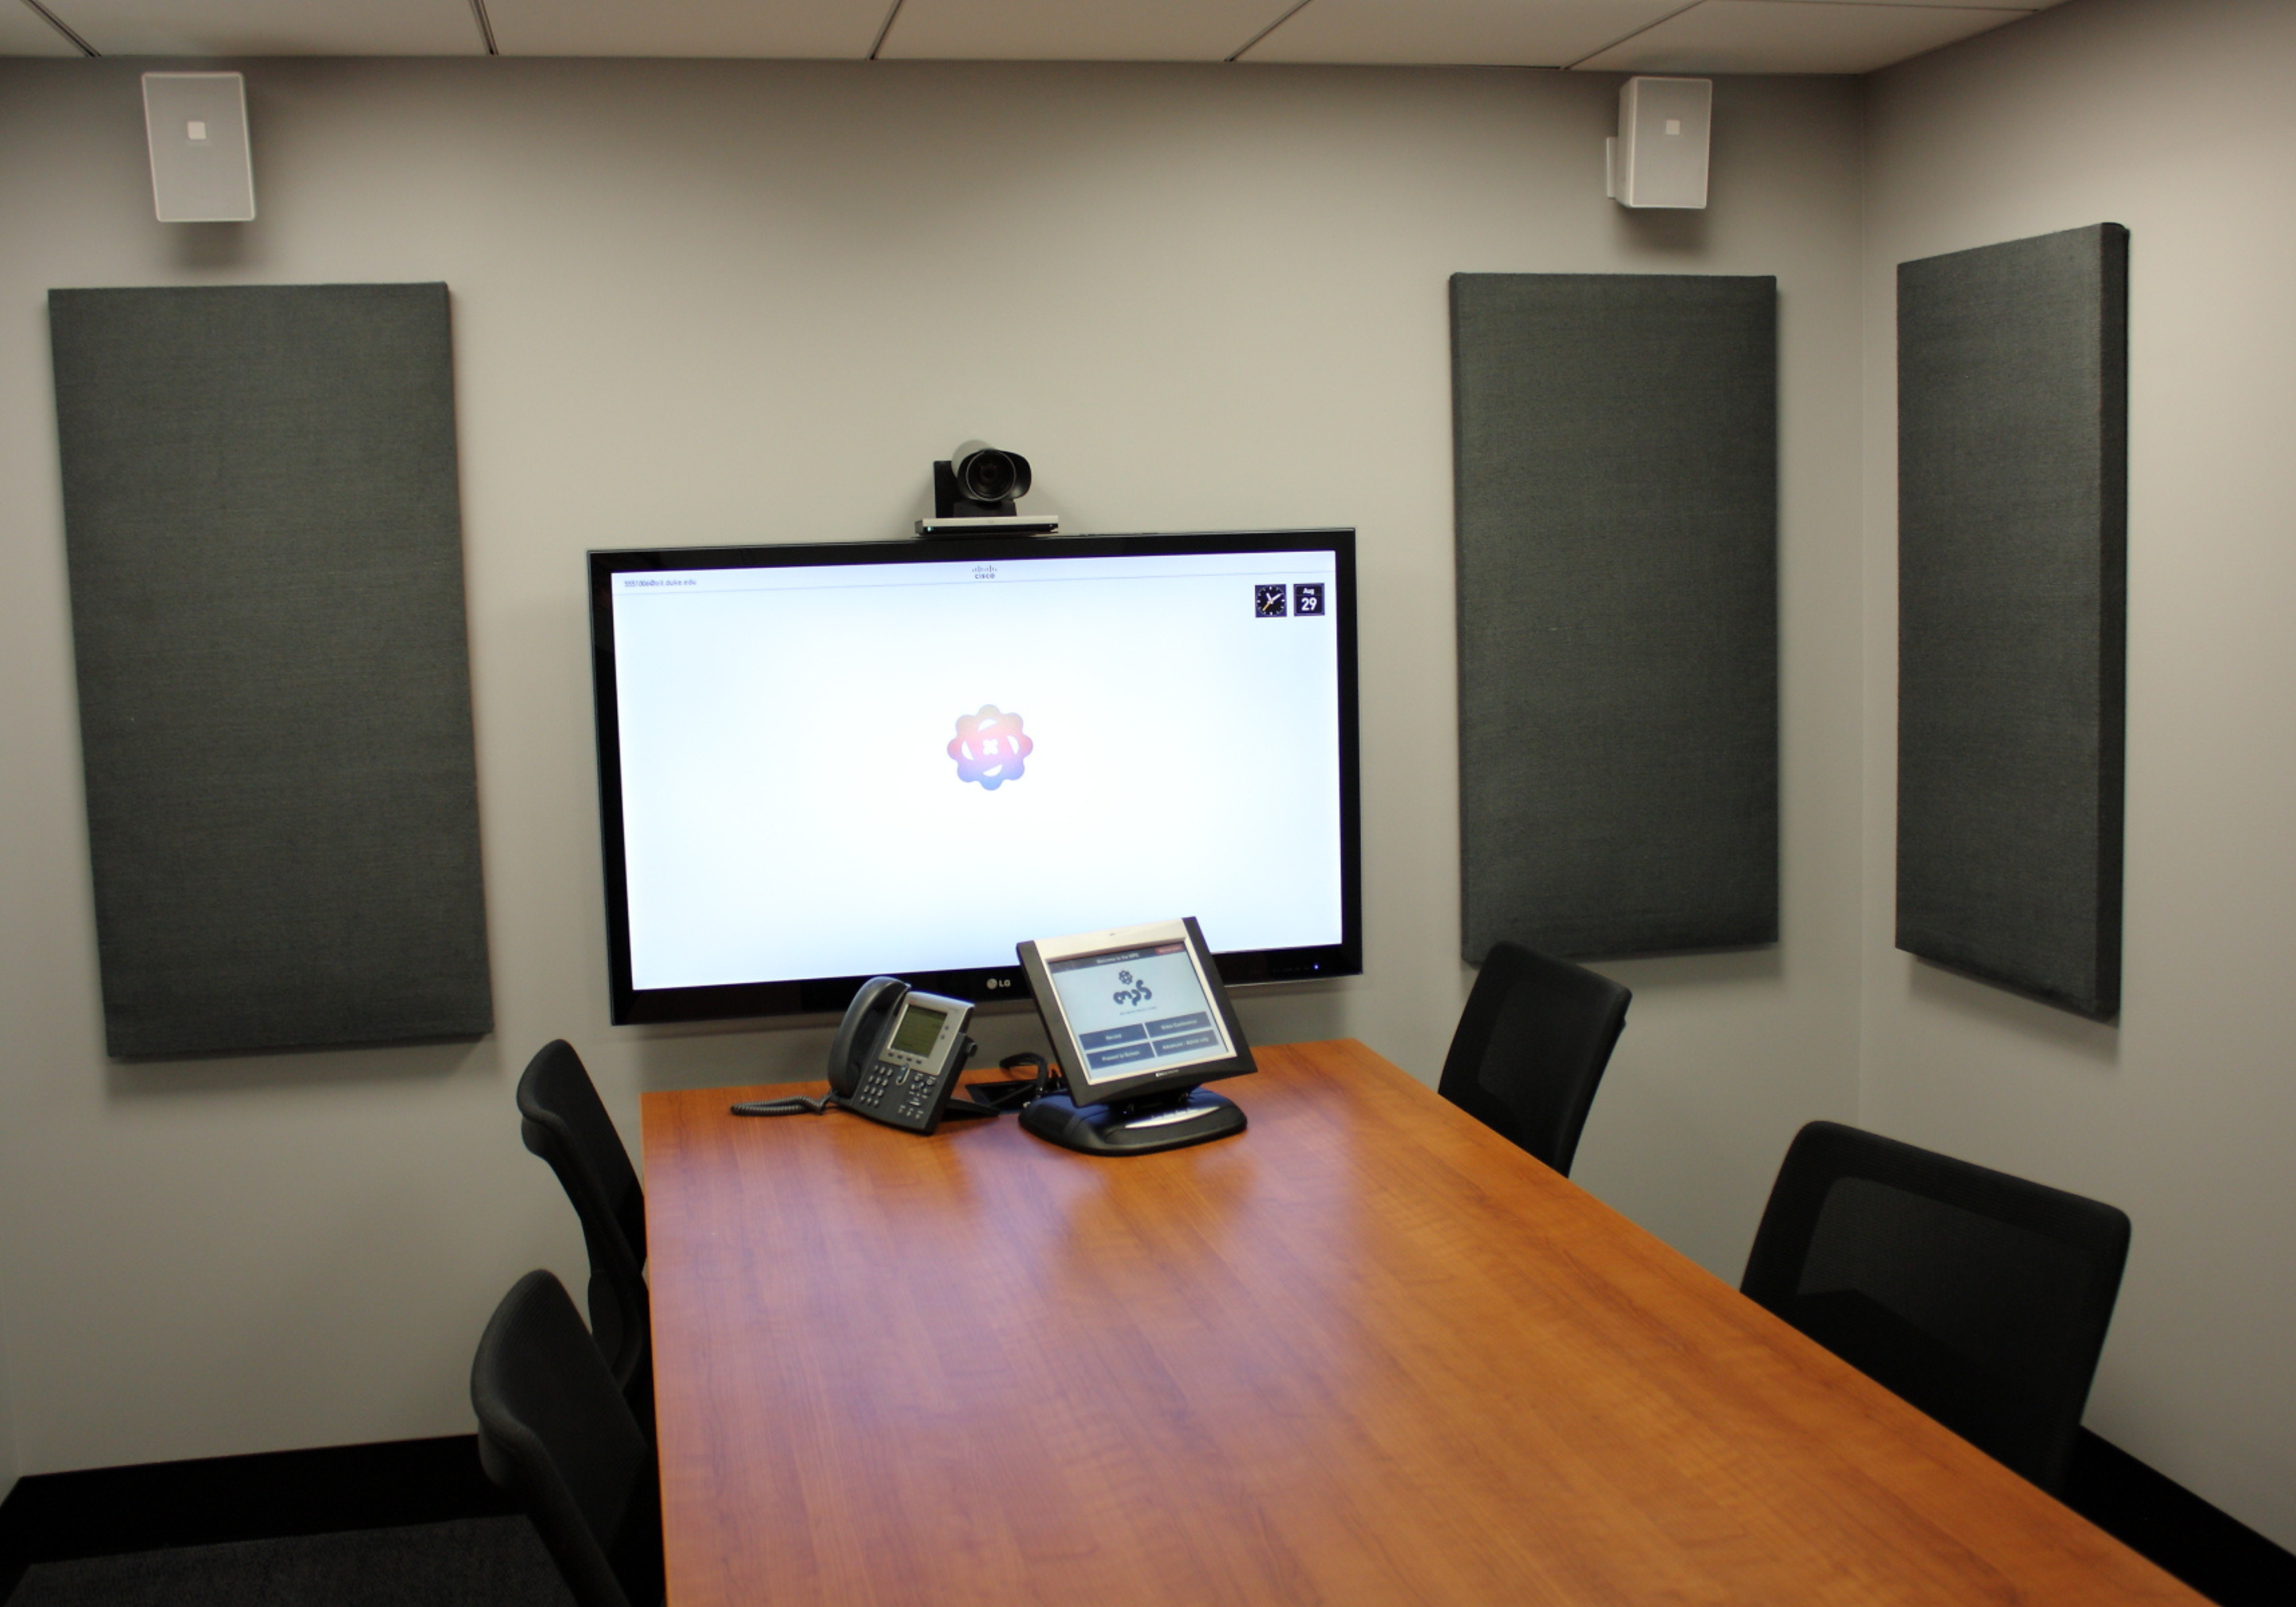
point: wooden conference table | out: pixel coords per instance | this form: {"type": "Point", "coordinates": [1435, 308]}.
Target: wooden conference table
{"type": "Point", "coordinates": [1367, 1352]}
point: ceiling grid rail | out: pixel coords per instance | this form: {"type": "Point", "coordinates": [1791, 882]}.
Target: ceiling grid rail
{"type": "Point", "coordinates": [62, 27]}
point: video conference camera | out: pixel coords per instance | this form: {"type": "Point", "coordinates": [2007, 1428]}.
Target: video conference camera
{"type": "Point", "coordinates": [984, 478]}
{"type": "Point", "coordinates": [974, 488]}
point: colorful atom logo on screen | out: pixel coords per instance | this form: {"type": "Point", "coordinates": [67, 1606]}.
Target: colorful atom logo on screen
{"type": "Point", "coordinates": [991, 748]}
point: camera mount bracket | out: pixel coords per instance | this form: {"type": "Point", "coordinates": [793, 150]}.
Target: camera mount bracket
{"type": "Point", "coordinates": [1014, 524]}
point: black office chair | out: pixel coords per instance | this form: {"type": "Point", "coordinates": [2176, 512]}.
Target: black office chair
{"type": "Point", "coordinates": [1979, 1297]}
{"type": "Point", "coordinates": [564, 1122]}
{"type": "Point", "coordinates": [554, 1431]}
{"type": "Point", "coordinates": [1530, 1049]}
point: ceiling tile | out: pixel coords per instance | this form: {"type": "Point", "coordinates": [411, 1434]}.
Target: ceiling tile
{"type": "Point", "coordinates": [274, 27]}
{"type": "Point", "coordinates": [1492, 33]}
{"type": "Point", "coordinates": [24, 32]}
{"type": "Point", "coordinates": [1077, 31]}
{"type": "Point", "coordinates": [1794, 35]}
{"type": "Point", "coordinates": [793, 29]}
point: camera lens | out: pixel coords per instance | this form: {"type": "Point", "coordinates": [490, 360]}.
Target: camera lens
{"type": "Point", "coordinates": [986, 476]}
{"type": "Point", "coordinates": [983, 474]}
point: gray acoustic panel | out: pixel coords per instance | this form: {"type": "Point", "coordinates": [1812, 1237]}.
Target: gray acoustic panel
{"type": "Point", "coordinates": [1616, 504]}
{"type": "Point", "coordinates": [261, 513]}
{"type": "Point", "coordinates": [2012, 536]}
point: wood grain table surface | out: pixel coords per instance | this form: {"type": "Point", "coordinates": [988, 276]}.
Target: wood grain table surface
{"type": "Point", "coordinates": [1366, 1352]}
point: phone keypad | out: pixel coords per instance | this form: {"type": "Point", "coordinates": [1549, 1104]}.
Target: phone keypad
{"type": "Point", "coordinates": [901, 1095]}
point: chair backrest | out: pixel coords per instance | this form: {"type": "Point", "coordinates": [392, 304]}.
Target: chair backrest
{"type": "Point", "coordinates": [1530, 1049]}
{"type": "Point", "coordinates": [554, 1431]}
{"type": "Point", "coordinates": [563, 1121]}
{"type": "Point", "coordinates": [1981, 1298]}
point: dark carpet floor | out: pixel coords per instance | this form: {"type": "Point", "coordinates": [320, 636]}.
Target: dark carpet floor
{"type": "Point", "coordinates": [494, 1561]}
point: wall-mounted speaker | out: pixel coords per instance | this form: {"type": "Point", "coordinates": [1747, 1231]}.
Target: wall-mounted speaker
{"type": "Point", "coordinates": [197, 126]}
{"type": "Point", "coordinates": [1659, 157]}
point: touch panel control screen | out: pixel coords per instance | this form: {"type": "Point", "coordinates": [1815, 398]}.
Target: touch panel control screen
{"type": "Point", "coordinates": [1135, 1010]}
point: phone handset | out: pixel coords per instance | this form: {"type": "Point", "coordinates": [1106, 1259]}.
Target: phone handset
{"type": "Point", "coordinates": [867, 1024]}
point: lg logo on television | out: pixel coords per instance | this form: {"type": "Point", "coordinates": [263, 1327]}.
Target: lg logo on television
{"type": "Point", "coordinates": [991, 748]}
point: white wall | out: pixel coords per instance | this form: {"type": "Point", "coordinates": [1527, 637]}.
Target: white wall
{"type": "Point", "coordinates": [718, 302]}
{"type": "Point", "coordinates": [2171, 117]}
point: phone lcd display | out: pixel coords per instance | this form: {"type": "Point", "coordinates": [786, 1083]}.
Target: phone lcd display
{"type": "Point", "coordinates": [918, 1028]}
{"type": "Point", "coordinates": [1135, 1010]}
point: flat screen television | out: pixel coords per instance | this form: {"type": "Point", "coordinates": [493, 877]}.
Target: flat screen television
{"type": "Point", "coordinates": [821, 763]}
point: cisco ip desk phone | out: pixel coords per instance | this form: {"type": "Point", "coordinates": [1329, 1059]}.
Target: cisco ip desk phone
{"type": "Point", "coordinates": [896, 1059]}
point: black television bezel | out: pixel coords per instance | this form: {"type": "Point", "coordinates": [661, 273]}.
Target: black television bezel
{"type": "Point", "coordinates": [816, 995]}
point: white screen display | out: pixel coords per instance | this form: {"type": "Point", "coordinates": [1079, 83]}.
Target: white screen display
{"type": "Point", "coordinates": [1137, 1010]}
{"type": "Point", "coordinates": [906, 768]}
